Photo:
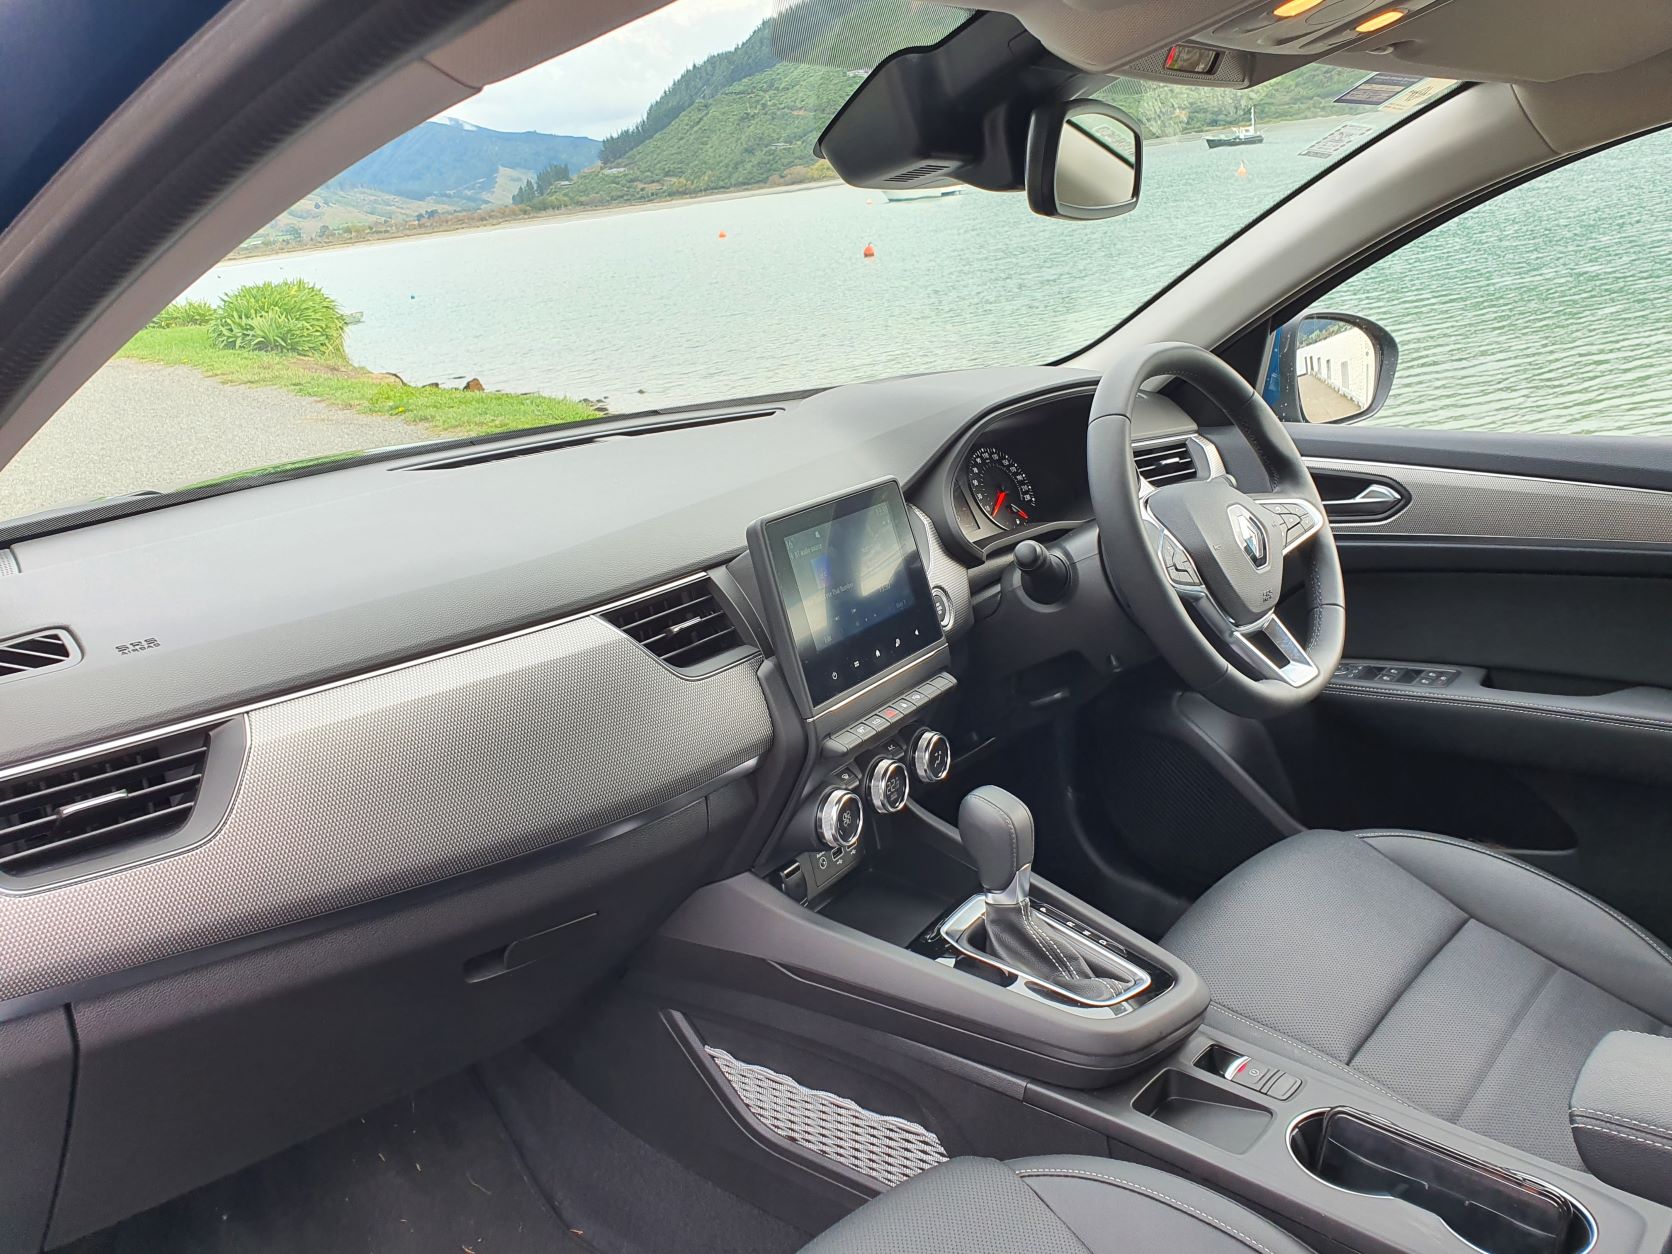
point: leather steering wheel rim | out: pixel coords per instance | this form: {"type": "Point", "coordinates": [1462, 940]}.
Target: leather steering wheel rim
{"type": "Point", "coordinates": [1242, 658]}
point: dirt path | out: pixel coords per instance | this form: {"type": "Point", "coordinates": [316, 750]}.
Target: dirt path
{"type": "Point", "coordinates": [136, 425]}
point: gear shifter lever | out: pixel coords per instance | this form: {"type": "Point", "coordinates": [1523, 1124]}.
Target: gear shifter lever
{"type": "Point", "coordinates": [997, 830]}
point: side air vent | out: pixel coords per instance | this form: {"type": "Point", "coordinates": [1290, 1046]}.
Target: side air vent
{"type": "Point", "coordinates": [687, 628]}
{"type": "Point", "coordinates": [42, 651]}
{"type": "Point", "coordinates": [1160, 464]}
{"type": "Point", "coordinates": [100, 804]}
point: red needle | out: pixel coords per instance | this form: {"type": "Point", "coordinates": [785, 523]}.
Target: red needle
{"type": "Point", "coordinates": [998, 503]}
{"type": "Point", "coordinates": [1019, 512]}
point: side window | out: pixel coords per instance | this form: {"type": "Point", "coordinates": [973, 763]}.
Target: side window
{"type": "Point", "coordinates": [1541, 310]}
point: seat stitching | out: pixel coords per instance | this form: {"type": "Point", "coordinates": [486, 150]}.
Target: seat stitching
{"type": "Point", "coordinates": [1457, 931]}
{"type": "Point", "coordinates": [1514, 1027]}
{"type": "Point", "coordinates": [1624, 1136]}
{"type": "Point", "coordinates": [1611, 1116]}
{"type": "Point", "coordinates": [1525, 866]}
{"type": "Point", "coordinates": [1334, 1062]}
{"type": "Point", "coordinates": [1206, 1218]}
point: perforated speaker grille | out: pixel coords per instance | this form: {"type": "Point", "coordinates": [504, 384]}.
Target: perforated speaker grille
{"type": "Point", "coordinates": [887, 1149]}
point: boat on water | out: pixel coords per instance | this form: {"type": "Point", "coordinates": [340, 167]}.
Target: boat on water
{"type": "Point", "coordinates": [921, 193]}
{"type": "Point", "coordinates": [1240, 137]}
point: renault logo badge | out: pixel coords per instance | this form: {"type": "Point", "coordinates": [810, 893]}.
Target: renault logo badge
{"type": "Point", "coordinates": [1251, 535]}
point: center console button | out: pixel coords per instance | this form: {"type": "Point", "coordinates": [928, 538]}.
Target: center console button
{"type": "Point", "coordinates": [840, 819]}
{"type": "Point", "coordinates": [931, 756]}
{"type": "Point", "coordinates": [888, 785]}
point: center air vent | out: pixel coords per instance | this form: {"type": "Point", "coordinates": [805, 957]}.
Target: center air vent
{"type": "Point", "coordinates": [41, 651]}
{"type": "Point", "coordinates": [1160, 464]}
{"type": "Point", "coordinates": [687, 627]}
{"type": "Point", "coordinates": [99, 804]}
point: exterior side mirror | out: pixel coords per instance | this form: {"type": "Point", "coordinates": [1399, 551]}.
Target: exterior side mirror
{"type": "Point", "coordinates": [1330, 367]}
{"type": "Point", "coordinates": [1084, 161]}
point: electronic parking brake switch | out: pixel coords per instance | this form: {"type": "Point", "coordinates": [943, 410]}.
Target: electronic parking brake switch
{"type": "Point", "coordinates": [1262, 1078]}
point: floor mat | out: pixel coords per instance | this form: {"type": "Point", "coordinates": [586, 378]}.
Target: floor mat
{"type": "Point", "coordinates": [623, 1195]}
{"type": "Point", "coordinates": [434, 1173]}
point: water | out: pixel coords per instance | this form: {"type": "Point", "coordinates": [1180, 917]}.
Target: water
{"type": "Point", "coordinates": [1543, 310]}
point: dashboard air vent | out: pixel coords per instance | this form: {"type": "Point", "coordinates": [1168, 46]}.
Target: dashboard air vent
{"type": "Point", "coordinates": [41, 651]}
{"type": "Point", "coordinates": [1160, 464]}
{"type": "Point", "coordinates": [686, 627]}
{"type": "Point", "coordinates": [97, 804]}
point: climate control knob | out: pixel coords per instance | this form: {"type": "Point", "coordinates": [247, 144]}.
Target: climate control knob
{"type": "Point", "coordinates": [840, 819]}
{"type": "Point", "coordinates": [888, 785]}
{"type": "Point", "coordinates": [931, 756]}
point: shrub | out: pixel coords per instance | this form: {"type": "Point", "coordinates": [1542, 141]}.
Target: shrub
{"type": "Point", "coordinates": [293, 317]}
{"type": "Point", "coordinates": [185, 313]}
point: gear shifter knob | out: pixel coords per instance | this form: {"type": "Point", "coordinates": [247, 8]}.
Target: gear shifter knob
{"type": "Point", "coordinates": [997, 830]}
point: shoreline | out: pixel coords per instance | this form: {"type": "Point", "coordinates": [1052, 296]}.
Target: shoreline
{"type": "Point", "coordinates": [647, 206]}
{"type": "Point", "coordinates": [534, 219]}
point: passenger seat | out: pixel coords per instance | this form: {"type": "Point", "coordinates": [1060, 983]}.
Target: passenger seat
{"type": "Point", "coordinates": [1052, 1205]}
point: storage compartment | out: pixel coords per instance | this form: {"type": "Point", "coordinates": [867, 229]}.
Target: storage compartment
{"type": "Point", "coordinates": [1204, 1110]}
{"type": "Point", "coordinates": [1495, 1210]}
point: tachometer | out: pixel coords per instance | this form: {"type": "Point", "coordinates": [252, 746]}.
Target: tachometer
{"type": "Point", "coordinates": [1001, 488]}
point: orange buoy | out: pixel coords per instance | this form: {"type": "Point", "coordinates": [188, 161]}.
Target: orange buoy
{"type": "Point", "coordinates": [722, 235]}
{"type": "Point", "coordinates": [870, 252]}
{"type": "Point", "coordinates": [1242, 170]}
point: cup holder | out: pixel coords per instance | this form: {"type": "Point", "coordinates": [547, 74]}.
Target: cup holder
{"type": "Point", "coordinates": [1490, 1208]}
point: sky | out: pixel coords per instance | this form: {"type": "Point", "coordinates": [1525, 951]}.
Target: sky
{"type": "Point", "coordinates": [606, 85]}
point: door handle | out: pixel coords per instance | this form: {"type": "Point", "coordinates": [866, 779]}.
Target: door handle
{"type": "Point", "coordinates": [1375, 500]}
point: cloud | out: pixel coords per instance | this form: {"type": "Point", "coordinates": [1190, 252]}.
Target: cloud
{"type": "Point", "coordinates": [607, 85]}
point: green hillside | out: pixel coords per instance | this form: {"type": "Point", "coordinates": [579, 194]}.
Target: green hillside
{"type": "Point", "coordinates": [703, 81]}
{"type": "Point", "coordinates": [757, 133]}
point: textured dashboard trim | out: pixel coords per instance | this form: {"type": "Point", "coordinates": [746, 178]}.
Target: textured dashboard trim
{"type": "Point", "coordinates": [400, 779]}
{"type": "Point", "coordinates": [1481, 505]}
{"type": "Point", "coordinates": [946, 573]}
{"type": "Point", "coordinates": [206, 720]}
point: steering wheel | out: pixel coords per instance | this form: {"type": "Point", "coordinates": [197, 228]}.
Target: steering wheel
{"type": "Point", "coordinates": [1200, 564]}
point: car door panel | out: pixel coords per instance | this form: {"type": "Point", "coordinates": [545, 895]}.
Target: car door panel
{"type": "Point", "coordinates": [1539, 570]}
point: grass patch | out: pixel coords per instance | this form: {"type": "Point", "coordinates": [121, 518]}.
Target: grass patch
{"type": "Point", "coordinates": [443, 410]}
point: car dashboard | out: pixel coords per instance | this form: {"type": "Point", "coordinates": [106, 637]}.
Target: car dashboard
{"type": "Point", "coordinates": [404, 732]}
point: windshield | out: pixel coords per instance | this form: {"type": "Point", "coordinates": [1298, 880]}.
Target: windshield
{"type": "Point", "coordinates": [643, 223]}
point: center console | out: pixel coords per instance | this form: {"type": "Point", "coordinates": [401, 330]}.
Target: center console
{"type": "Point", "coordinates": [883, 989]}
{"type": "Point", "coordinates": [862, 894]}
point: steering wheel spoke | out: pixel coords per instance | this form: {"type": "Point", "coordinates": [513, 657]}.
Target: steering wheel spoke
{"type": "Point", "coordinates": [1267, 646]}
{"type": "Point", "coordinates": [1294, 517]}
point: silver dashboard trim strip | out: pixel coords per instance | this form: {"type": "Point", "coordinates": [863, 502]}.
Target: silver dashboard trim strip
{"type": "Point", "coordinates": [119, 743]}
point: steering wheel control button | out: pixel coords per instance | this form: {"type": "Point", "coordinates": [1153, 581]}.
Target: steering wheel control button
{"type": "Point", "coordinates": [931, 756]}
{"type": "Point", "coordinates": [840, 820]}
{"type": "Point", "coordinates": [888, 785]}
{"type": "Point", "coordinates": [1180, 569]}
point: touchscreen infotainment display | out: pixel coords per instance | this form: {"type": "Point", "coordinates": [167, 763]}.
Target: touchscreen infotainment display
{"type": "Point", "coordinates": [851, 586]}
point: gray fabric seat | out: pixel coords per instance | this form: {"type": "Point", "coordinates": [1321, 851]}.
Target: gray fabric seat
{"type": "Point", "coordinates": [1061, 1204]}
{"type": "Point", "coordinates": [1448, 976]}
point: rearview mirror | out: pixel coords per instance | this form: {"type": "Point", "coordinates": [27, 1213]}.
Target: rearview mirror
{"type": "Point", "coordinates": [1330, 367]}
{"type": "Point", "coordinates": [1084, 161]}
